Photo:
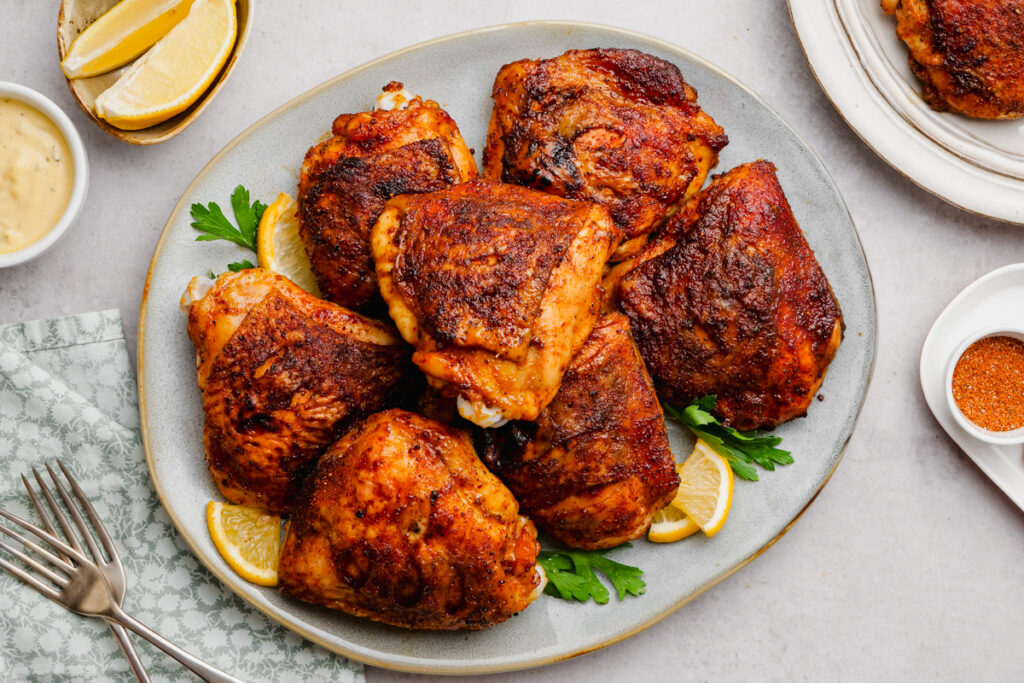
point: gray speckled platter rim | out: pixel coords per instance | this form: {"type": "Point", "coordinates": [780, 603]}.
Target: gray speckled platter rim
{"type": "Point", "coordinates": [514, 655]}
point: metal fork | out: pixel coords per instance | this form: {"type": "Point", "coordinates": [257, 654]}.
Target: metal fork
{"type": "Point", "coordinates": [79, 584]}
{"type": "Point", "coordinates": [110, 566]}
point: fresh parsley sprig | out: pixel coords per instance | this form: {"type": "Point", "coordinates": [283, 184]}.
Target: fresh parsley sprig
{"type": "Point", "coordinates": [241, 265]}
{"type": "Point", "coordinates": [741, 449]}
{"type": "Point", "coordinates": [211, 221]}
{"type": "Point", "coordinates": [571, 575]}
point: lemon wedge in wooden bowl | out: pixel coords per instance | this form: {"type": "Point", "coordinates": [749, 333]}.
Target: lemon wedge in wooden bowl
{"type": "Point", "coordinates": [162, 92]}
{"type": "Point", "coordinates": [123, 33]}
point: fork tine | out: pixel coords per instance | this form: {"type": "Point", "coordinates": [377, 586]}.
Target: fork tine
{"type": "Point", "coordinates": [42, 552]}
{"type": "Point", "coordinates": [75, 515]}
{"type": "Point", "coordinates": [53, 541]}
{"type": "Point", "coordinates": [138, 668]}
{"type": "Point", "coordinates": [97, 523]}
{"type": "Point", "coordinates": [39, 508]}
{"type": "Point", "coordinates": [42, 569]}
{"type": "Point", "coordinates": [30, 580]}
{"type": "Point", "coordinates": [54, 509]}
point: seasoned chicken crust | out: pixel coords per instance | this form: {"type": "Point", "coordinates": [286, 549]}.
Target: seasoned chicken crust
{"type": "Point", "coordinates": [402, 523]}
{"type": "Point", "coordinates": [496, 286]}
{"type": "Point", "coordinates": [617, 127]}
{"type": "Point", "coordinates": [968, 54]}
{"type": "Point", "coordinates": [283, 374]}
{"type": "Point", "coordinates": [596, 466]}
{"type": "Point", "coordinates": [345, 181]}
{"type": "Point", "coordinates": [728, 299]}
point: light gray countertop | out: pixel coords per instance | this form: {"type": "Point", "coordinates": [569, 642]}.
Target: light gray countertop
{"type": "Point", "coordinates": [909, 565]}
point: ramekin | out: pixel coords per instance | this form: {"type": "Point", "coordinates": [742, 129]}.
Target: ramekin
{"type": "Point", "coordinates": [79, 186]}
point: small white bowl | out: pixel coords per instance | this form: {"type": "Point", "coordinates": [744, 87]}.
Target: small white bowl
{"type": "Point", "coordinates": [80, 185]}
{"type": "Point", "coordinates": [1013, 436]}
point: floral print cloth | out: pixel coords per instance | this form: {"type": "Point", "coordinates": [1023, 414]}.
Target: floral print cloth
{"type": "Point", "coordinates": [67, 390]}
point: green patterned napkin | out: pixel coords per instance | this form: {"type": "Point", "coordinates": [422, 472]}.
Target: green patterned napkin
{"type": "Point", "coordinates": [67, 390]}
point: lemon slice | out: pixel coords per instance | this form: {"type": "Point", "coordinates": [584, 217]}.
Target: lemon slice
{"type": "Point", "coordinates": [705, 488]}
{"type": "Point", "coordinates": [124, 32]}
{"type": "Point", "coordinates": [278, 247]}
{"type": "Point", "coordinates": [179, 68]}
{"type": "Point", "coordinates": [248, 539]}
{"type": "Point", "coordinates": [671, 524]}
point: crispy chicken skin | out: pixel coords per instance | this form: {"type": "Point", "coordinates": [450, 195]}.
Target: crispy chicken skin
{"type": "Point", "coordinates": [283, 374]}
{"type": "Point", "coordinates": [969, 54]}
{"type": "Point", "coordinates": [617, 127]}
{"type": "Point", "coordinates": [595, 467]}
{"type": "Point", "coordinates": [346, 180]}
{"type": "Point", "coordinates": [401, 522]}
{"type": "Point", "coordinates": [728, 299]}
{"type": "Point", "coordinates": [496, 286]}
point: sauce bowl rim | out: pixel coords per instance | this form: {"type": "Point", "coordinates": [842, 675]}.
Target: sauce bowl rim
{"type": "Point", "coordinates": [80, 184]}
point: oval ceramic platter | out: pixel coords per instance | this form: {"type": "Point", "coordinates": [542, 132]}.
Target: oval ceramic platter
{"type": "Point", "coordinates": [458, 72]}
{"type": "Point", "coordinates": [993, 300]}
{"type": "Point", "coordinates": [862, 67]}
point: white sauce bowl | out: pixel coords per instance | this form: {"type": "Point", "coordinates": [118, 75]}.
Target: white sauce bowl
{"type": "Point", "coordinates": [80, 185]}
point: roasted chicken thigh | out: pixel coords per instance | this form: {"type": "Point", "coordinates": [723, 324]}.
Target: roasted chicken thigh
{"type": "Point", "coordinates": [728, 299]}
{"type": "Point", "coordinates": [283, 374]}
{"type": "Point", "coordinates": [496, 286]}
{"type": "Point", "coordinates": [969, 54]}
{"type": "Point", "coordinates": [401, 522]}
{"type": "Point", "coordinates": [595, 467]}
{"type": "Point", "coordinates": [617, 127]}
{"type": "Point", "coordinates": [410, 146]}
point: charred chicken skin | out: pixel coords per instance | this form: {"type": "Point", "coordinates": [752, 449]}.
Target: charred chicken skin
{"type": "Point", "coordinates": [969, 54]}
{"type": "Point", "coordinates": [283, 374]}
{"type": "Point", "coordinates": [728, 299]}
{"type": "Point", "coordinates": [496, 286]}
{"type": "Point", "coordinates": [345, 181]}
{"type": "Point", "coordinates": [401, 522]}
{"type": "Point", "coordinates": [617, 127]}
{"type": "Point", "coordinates": [595, 467]}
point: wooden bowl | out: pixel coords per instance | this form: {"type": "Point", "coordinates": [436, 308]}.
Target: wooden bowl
{"type": "Point", "coordinates": [76, 15]}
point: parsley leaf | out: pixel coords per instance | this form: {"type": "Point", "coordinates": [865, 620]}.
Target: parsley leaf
{"type": "Point", "coordinates": [247, 215]}
{"type": "Point", "coordinates": [211, 221]}
{"type": "Point", "coordinates": [240, 265]}
{"type": "Point", "coordinates": [571, 575]}
{"type": "Point", "coordinates": [741, 449]}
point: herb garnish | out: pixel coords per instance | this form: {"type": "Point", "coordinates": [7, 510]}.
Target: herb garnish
{"type": "Point", "coordinates": [741, 449]}
{"type": "Point", "coordinates": [241, 265]}
{"type": "Point", "coordinates": [211, 221]}
{"type": "Point", "coordinates": [571, 575]}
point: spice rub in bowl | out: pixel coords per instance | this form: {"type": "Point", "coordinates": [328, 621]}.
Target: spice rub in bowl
{"type": "Point", "coordinates": [985, 385]}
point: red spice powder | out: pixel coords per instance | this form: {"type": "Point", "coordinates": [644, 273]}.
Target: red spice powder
{"type": "Point", "coordinates": [988, 383]}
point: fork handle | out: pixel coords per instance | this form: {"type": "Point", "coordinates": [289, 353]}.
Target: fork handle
{"type": "Point", "coordinates": [130, 652]}
{"type": "Point", "coordinates": [186, 659]}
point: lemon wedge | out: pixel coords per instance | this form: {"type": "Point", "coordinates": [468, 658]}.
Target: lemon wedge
{"type": "Point", "coordinates": [671, 524]}
{"type": "Point", "coordinates": [124, 32]}
{"type": "Point", "coordinates": [278, 247]}
{"type": "Point", "coordinates": [705, 488]}
{"type": "Point", "coordinates": [248, 539]}
{"type": "Point", "coordinates": [180, 67]}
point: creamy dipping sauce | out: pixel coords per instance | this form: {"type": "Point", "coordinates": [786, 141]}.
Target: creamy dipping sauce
{"type": "Point", "coordinates": [36, 175]}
